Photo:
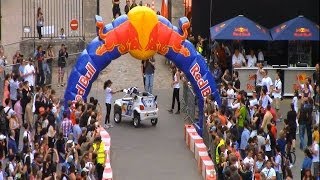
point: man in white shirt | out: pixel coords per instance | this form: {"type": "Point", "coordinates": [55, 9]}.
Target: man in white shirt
{"type": "Point", "coordinates": [238, 59]}
{"type": "Point", "coordinates": [266, 81]}
{"type": "Point", "coordinates": [269, 172]}
{"type": "Point", "coordinates": [252, 59]}
{"type": "Point", "coordinates": [249, 160]}
{"type": "Point", "coordinates": [277, 90]}
{"type": "Point", "coordinates": [277, 163]}
{"type": "Point", "coordinates": [29, 72]}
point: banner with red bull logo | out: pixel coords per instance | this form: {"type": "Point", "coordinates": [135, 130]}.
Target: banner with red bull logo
{"type": "Point", "coordinates": [141, 33]}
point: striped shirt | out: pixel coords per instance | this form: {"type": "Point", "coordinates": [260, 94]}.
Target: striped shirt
{"type": "Point", "coordinates": [66, 127]}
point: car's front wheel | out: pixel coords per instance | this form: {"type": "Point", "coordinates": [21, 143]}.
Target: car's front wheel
{"type": "Point", "coordinates": [154, 121]}
{"type": "Point", "coordinates": [136, 120]}
{"type": "Point", "coordinates": [117, 114]}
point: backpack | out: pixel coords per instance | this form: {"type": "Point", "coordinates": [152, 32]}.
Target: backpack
{"type": "Point", "coordinates": [3, 120]}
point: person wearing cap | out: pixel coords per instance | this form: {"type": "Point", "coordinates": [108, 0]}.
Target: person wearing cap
{"type": "Point", "coordinates": [99, 149]}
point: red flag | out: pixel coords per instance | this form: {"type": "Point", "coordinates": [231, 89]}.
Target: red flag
{"type": "Point", "coordinates": [164, 8]}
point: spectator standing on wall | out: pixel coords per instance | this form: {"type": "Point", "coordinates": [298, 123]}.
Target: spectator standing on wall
{"type": "Point", "coordinates": [63, 55]}
{"type": "Point", "coordinates": [49, 57]}
{"type": "Point", "coordinates": [40, 22]}
{"type": "Point", "coordinates": [62, 35]}
{"type": "Point", "coordinates": [116, 8]}
{"type": "Point", "coordinates": [39, 56]}
{"type": "Point", "coordinates": [133, 4]}
{"type": "Point", "coordinates": [127, 7]}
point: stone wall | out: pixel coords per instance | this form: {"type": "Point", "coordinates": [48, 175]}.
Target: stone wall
{"type": "Point", "coordinates": [28, 47]}
{"type": "Point", "coordinates": [89, 12]}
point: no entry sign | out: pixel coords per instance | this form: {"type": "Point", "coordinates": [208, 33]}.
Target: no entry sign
{"type": "Point", "coordinates": [74, 24]}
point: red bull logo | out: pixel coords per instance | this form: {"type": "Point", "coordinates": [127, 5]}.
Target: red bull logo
{"type": "Point", "coordinates": [114, 38]}
{"type": "Point", "coordinates": [143, 43]}
{"type": "Point", "coordinates": [241, 32]}
{"type": "Point", "coordinates": [202, 84]}
{"type": "Point", "coordinates": [168, 39]}
{"type": "Point", "coordinates": [302, 32]}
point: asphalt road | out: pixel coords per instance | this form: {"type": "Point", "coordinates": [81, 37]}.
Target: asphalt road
{"type": "Point", "coordinates": [152, 153]}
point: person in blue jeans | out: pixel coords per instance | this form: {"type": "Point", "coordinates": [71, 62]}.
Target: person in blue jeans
{"type": "Point", "coordinates": [148, 73]}
{"type": "Point", "coordinates": [305, 123]}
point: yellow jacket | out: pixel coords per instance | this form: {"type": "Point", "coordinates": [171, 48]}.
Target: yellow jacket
{"type": "Point", "coordinates": [101, 156]}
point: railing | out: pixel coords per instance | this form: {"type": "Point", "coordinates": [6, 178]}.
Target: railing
{"type": "Point", "coordinates": [57, 14]}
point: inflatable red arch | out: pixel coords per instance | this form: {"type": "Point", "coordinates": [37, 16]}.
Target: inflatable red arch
{"type": "Point", "coordinates": [142, 34]}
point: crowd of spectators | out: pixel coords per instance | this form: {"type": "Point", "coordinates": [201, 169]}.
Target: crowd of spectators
{"type": "Point", "coordinates": [41, 136]}
{"type": "Point", "coordinates": [246, 140]}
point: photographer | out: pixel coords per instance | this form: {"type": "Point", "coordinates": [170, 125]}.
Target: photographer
{"type": "Point", "coordinates": [49, 166]}
{"type": "Point", "coordinates": [71, 154]}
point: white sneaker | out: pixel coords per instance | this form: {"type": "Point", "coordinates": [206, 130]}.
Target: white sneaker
{"type": "Point", "coordinates": [110, 125]}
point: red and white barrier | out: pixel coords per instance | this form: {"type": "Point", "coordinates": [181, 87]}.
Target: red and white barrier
{"type": "Point", "coordinates": [195, 144]}
{"type": "Point", "coordinates": [105, 137]}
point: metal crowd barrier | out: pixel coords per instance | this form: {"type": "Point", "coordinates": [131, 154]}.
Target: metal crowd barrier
{"type": "Point", "coordinates": [189, 103]}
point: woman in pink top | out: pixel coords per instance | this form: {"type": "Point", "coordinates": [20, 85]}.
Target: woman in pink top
{"type": "Point", "coordinates": [6, 93]}
{"type": "Point", "coordinates": [18, 109]}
